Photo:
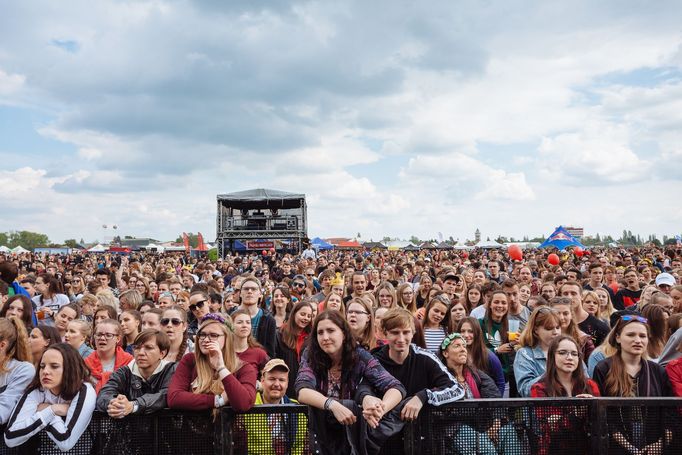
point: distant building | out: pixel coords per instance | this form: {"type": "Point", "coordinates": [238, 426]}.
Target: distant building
{"type": "Point", "coordinates": [576, 232]}
{"type": "Point", "coordinates": [477, 236]}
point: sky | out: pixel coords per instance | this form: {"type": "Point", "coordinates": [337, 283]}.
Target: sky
{"type": "Point", "coordinates": [394, 118]}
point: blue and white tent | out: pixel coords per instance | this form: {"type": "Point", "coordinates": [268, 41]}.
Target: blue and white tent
{"type": "Point", "coordinates": [561, 239]}
{"type": "Point", "coordinates": [320, 244]}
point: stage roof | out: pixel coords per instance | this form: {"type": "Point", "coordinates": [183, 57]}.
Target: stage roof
{"type": "Point", "coordinates": [262, 198]}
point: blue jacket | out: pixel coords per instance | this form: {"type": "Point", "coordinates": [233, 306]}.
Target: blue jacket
{"type": "Point", "coordinates": [529, 366]}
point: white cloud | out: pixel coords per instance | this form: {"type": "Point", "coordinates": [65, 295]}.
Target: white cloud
{"type": "Point", "coordinates": [10, 83]}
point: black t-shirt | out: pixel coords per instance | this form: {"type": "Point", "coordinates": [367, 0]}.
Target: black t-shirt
{"type": "Point", "coordinates": [595, 328]}
{"type": "Point", "coordinates": [626, 298]}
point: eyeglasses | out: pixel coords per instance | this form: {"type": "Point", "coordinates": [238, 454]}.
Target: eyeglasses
{"type": "Point", "coordinates": [175, 321]}
{"type": "Point", "coordinates": [634, 317]}
{"type": "Point", "coordinates": [356, 312]}
{"type": "Point", "coordinates": [299, 285]}
{"type": "Point", "coordinates": [309, 274]}
{"type": "Point", "coordinates": [199, 304]}
{"type": "Point", "coordinates": [108, 336]}
{"type": "Point", "coordinates": [564, 353]}
{"type": "Point", "coordinates": [212, 336]}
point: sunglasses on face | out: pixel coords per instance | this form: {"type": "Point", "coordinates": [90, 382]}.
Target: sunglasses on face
{"type": "Point", "coordinates": [299, 285]}
{"type": "Point", "coordinates": [175, 321]}
{"type": "Point", "coordinates": [199, 304]}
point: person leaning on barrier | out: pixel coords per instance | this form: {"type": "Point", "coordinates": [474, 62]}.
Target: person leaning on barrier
{"type": "Point", "coordinates": [213, 376]}
{"type": "Point", "coordinates": [59, 400]}
{"type": "Point", "coordinates": [141, 386]}
{"type": "Point", "coordinates": [275, 433]}
{"type": "Point", "coordinates": [332, 368]}
{"type": "Point", "coordinates": [425, 378]}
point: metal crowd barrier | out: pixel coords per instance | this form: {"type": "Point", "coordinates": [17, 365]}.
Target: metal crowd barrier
{"type": "Point", "coordinates": [488, 427]}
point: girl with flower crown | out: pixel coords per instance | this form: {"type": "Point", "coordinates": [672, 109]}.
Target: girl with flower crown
{"type": "Point", "coordinates": [213, 376]}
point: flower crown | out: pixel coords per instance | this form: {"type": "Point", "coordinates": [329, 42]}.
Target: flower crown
{"type": "Point", "coordinates": [450, 338]}
{"type": "Point", "coordinates": [218, 318]}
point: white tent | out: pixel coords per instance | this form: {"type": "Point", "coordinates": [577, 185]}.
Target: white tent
{"type": "Point", "coordinates": [4, 249]}
{"type": "Point", "coordinates": [152, 246]}
{"type": "Point", "coordinates": [99, 248]}
{"type": "Point", "coordinates": [19, 249]}
{"type": "Point", "coordinates": [488, 244]}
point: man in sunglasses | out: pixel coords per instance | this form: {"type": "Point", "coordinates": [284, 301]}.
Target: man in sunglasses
{"type": "Point", "coordinates": [298, 287]}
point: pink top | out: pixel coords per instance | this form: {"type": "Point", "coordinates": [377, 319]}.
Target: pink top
{"type": "Point", "coordinates": [240, 387]}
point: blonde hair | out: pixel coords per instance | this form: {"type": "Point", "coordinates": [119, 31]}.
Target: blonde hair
{"type": "Point", "coordinates": [205, 381]}
{"type": "Point", "coordinates": [107, 297]}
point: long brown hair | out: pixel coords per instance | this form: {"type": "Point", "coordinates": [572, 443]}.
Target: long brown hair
{"type": "Point", "coordinates": [618, 382]}
{"type": "Point", "coordinates": [290, 332]}
{"type": "Point", "coordinates": [553, 387]}
{"type": "Point", "coordinates": [27, 307]}
{"type": "Point", "coordinates": [400, 301]}
{"type": "Point", "coordinates": [367, 339]}
{"type": "Point", "coordinates": [74, 371]}
{"type": "Point", "coordinates": [13, 331]}
{"type": "Point", "coordinates": [478, 353]}
{"type": "Point", "coordinates": [504, 323]}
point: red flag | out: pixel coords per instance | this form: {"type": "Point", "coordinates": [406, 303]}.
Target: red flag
{"type": "Point", "coordinates": [185, 241]}
{"type": "Point", "coordinates": [200, 243]}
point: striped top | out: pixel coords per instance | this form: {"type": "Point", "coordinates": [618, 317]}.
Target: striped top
{"type": "Point", "coordinates": [433, 338]}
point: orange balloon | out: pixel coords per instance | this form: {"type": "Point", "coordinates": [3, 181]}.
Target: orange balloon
{"type": "Point", "coordinates": [553, 259]}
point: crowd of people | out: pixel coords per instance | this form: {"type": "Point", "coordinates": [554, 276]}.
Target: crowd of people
{"type": "Point", "coordinates": [366, 339]}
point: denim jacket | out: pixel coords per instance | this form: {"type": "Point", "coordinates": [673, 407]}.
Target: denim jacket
{"type": "Point", "coordinates": [529, 366]}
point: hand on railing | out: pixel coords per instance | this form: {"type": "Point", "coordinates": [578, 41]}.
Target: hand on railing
{"type": "Point", "coordinates": [342, 414]}
{"type": "Point", "coordinates": [411, 409]}
{"type": "Point", "coordinates": [372, 410]}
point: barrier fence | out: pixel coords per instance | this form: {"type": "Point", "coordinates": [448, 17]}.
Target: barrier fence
{"type": "Point", "coordinates": [514, 427]}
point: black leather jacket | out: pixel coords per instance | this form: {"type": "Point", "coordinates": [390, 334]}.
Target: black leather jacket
{"type": "Point", "coordinates": [150, 395]}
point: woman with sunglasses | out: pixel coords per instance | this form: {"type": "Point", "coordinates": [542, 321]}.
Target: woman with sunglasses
{"type": "Point", "coordinates": [108, 356]}
{"type": "Point", "coordinates": [213, 376]}
{"type": "Point", "coordinates": [174, 323]}
{"type": "Point", "coordinates": [531, 360]}
{"type": "Point", "coordinates": [59, 400]}
{"type": "Point", "coordinates": [628, 373]}
{"type": "Point", "coordinates": [75, 288]}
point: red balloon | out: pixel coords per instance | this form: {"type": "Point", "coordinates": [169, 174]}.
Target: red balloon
{"type": "Point", "coordinates": [465, 254]}
{"type": "Point", "coordinates": [272, 250]}
{"type": "Point", "coordinates": [553, 259]}
{"type": "Point", "coordinates": [515, 252]}
{"type": "Point", "coordinates": [578, 251]}
{"type": "Point", "coordinates": [265, 252]}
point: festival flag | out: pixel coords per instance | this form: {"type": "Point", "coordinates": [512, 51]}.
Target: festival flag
{"type": "Point", "coordinates": [201, 246]}
{"type": "Point", "coordinates": [185, 241]}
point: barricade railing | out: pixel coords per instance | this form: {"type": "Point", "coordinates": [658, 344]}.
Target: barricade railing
{"type": "Point", "coordinates": [515, 426]}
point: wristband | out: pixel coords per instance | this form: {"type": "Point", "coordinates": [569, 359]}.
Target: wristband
{"type": "Point", "coordinates": [328, 404]}
{"type": "Point", "coordinates": [218, 401]}
{"type": "Point", "coordinates": [135, 407]}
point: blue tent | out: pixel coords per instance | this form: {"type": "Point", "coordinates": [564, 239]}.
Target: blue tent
{"type": "Point", "coordinates": [560, 239]}
{"type": "Point", "coordinates": [320, 244]}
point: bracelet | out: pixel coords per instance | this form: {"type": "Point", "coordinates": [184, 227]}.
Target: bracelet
{"type": "Point", "coordinates": [328, 404]}
{"type": "Point", "coordinates": [223, 368]}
